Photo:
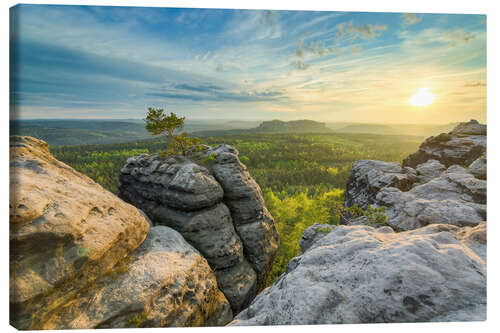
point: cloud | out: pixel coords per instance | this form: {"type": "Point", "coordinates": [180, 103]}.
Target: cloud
{"type": "Point", "coordinates": [300, 52]}
{"type": "Point", "coordinates": [219, 68]}
{"type": "Point", "coordinates": [340, 31]}
{"type": "Point", "coordinates": [317, 48]}
{"type": "Point", "coordinates": [365, 31]}
{"type": "Point", "coordinates": [214, 93]}
{"type": "Point", "coordinates": [199, 87]}
{"type": "Point", "coordinates": [335, 50]}
{"type": "Point", "coordinates": [253, 26]}
{"type": "Point", "coordinates": [355, 49]}
{"type": "Point", "coordinates": [410, 18]}
{"type": "Point", "coordinates": [268, 17]}
{"type": "Point", "coordinates": [475, 84]}
{"type": "Point", "coordinates": [458, 36]}
{"type": "Point", "coordinates": [206, 56]}
{"type": "Point", "coordinates": [299, 64]}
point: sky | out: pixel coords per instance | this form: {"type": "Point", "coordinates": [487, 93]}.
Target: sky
{"type": "Point", "coordinates": [115, 62]}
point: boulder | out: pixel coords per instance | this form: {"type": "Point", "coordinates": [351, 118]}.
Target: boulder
{"type": "Point", "coordinates": [478, 168]}
{"type": "Point", "coordinates": [145, 291]}
{"type": "Point", "coordinates": [211, 199]}
{"type": "Point", "coordinates": [461, 146]}
{"type": "Point", "coordinates": [369, 177]}
{"type": "Point", "coordinates": [65, 231]}
{"type": "Point", "coordinates": [429, 170]}
{"type": "Point", "coordinates": [80, 257]}
{"type": "Point", "coordinates": [361, 274]}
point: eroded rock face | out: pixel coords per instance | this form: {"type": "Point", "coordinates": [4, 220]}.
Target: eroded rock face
{"type": "Point", "coordinates": [429, 190]}
{"type": "Point", "coordinates": [462, 146]}
{"type": "Point", "coordinates": [80, 257]}
{"type": "Point", "coordinates": [253, 222]}
{"type": "Point", "coordinates": [478, 168]}
{"type": "Point", "coordinates": [219, 209]}
{"type": "Point", "coordinates": [456, 197]}
{"type": "Point", "coordinates": [360, 274]}
{"type": "Point", "coordinates": [65, 231]}
{"type": "Point", "coordinates": [369, 177]}
{"type": "Point", "coordinates": [164, 282]}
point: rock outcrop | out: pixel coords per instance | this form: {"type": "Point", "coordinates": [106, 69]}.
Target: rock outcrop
{"type": "Point", "coordinates": [461, 146]}
{"type": "Point", "coordinates": [218, 208]}
{"type": "Point", "coordinates": [80, 257]}
{"type": "Point", "coordinates": [443, 182]}
{"type": "Point", "coordinates": [361, 274]}
{"type": "Point", "coordinates": [427, 263]}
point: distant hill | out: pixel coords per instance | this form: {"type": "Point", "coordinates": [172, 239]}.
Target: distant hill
{"type": "Point", "coordinates": [424, 130]}
{"type": "Point", "coordinates": [295, 126]}
{"type": "Point", "coordinates": [274, 126]}
{"type": "Point", "coordinates": [368, 128]}
{"type": "Point", "coordinates": [78, 132]}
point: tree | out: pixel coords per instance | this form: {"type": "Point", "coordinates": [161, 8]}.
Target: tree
{"type": "Point", "coordinates": [158, 123]}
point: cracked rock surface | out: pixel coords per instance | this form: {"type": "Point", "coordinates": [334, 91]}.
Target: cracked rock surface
{"type": "Point", "coordinates": [443, 182]}
{"type": "Point", "coordinates": [361, 274]}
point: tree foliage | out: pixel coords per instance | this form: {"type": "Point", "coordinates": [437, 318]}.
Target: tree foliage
{"type": "Point", "coordinates": [158, 123]}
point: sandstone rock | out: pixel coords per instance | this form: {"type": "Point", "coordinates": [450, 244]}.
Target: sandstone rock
{"type": "Point", "coordinates": [313, 234]}
{"type": "Point", "coordinates": [478, 168]}
{"type": "Point", "coordinates": [218, 209]}
{"type": "Point", "coordinates": [65, 231]}
{"type": "Point", "coordinates": [456, 197]}
{"type": "Point", "coordinates": [252, 221]}
{"type": "Point", "coordinates": [429, 170]}
{"type": "Point", "coordinates": [369, 177]}
{"type": "Point", "coordinates": [461, 146]}
{"type": "Point", "coordinates": [165, 282]}
{"type": "Point", "coordinates": [238, 283]}
{"type": "Point", "coordinates": [433, 191]}
{"type": "Point", "coordinates": [209, 230]}
{"type": "Point", "coordinates": [177, 183]}
{"type": "Point", "coordinates": [359, 274]}
{"type": "Point", "coordinates": [473, 127]}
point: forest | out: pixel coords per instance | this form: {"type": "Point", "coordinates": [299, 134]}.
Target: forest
{"type": "Point", "coordinates": [302, 176]}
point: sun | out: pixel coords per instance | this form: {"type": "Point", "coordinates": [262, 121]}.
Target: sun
{"type": "Point", "coordinates": [422, 97]}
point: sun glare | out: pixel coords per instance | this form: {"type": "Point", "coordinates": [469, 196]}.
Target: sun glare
{"type": "Point", "coordinates": [422, 97]}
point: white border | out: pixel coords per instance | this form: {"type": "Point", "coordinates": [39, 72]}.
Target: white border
{"type": "Point", "coordinates": [422, 6]}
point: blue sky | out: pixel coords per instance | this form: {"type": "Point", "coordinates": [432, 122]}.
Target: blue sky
{"type": "Point", "coordinates": [114, 62]}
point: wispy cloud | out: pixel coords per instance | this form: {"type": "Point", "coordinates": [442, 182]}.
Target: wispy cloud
{"type": "Point", "coordinates": [207, 92]}
{"type": "Point", "coordinates": [411, 18]}
{"type": "Point", "coordinates": [299, 64]}
{"type": "Point", "coordinates": [475, 85]}
{"type": "Point", "coordinates": [458, 36]}
{"type": "Point", "coordinates": [365, 31]}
